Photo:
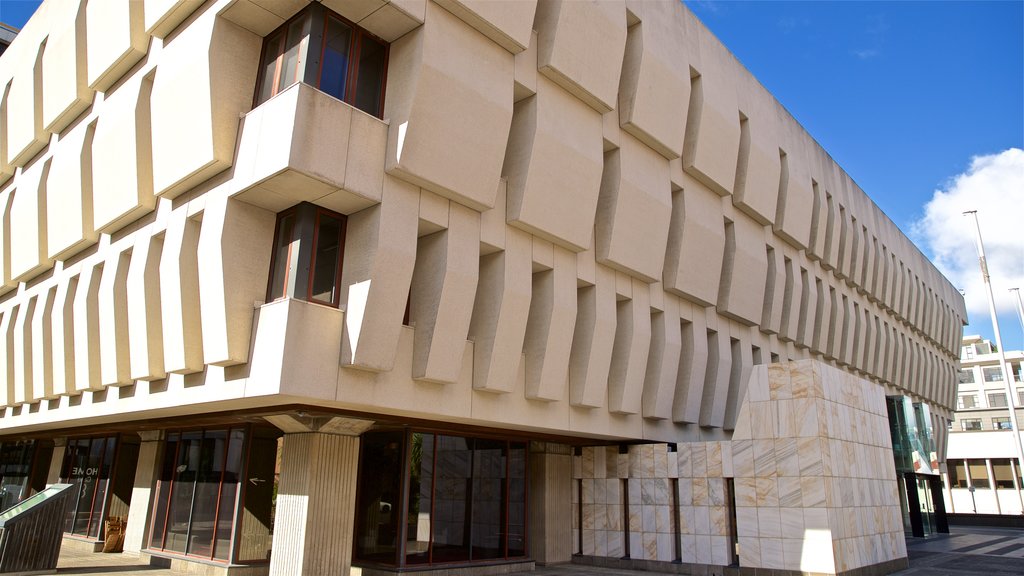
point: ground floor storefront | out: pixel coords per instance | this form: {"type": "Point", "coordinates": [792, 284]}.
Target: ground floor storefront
{"type": "Point", "coordinates": [806, 483]}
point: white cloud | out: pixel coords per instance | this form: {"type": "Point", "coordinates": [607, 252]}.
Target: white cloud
{"type": "Point", "coordinates": [994, 186]}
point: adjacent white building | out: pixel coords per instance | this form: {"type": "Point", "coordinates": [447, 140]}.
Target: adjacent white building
{"type": "Point", "coordinates": [981, 453]}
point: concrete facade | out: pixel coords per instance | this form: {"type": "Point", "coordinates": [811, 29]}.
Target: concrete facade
{"type": "Point", "coordinates": [579, 224]}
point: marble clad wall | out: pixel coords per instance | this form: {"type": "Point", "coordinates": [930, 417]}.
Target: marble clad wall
{"type": "Point", "coordinates": [812, 464]}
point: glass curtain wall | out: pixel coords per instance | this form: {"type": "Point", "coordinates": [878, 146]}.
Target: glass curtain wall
{"type": "Point", "coordinates": [463, 500]}
{"type": "Point", "coordinates": [15, 470]}
{"type": "Point", "coordinates": [87, 466]}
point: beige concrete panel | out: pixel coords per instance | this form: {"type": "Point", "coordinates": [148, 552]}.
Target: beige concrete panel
{"type": "Point", "coordinates": [86, 323]}
{"type": "Point", "coordinates": [296, 350]}
{"type": "Point", "coordinates": [822, 317]}
{"type": "Point", "coordinates": [663, 361]}
{"type": "Point", "coordinates": [380, 254]}
{"type": "Point", "coordinates": [22, 358]}
{"type": "Point", "coordinates": [790, 300]}
{"type": "Point", "coordinates": [507, 22]}
{"type": "Point", "coordinates": [845, 352]}
{"type": "Point", "coordinates": [492, 223]}
{"type": "Point", "coordinates": [593, 341]}
{"type": "Point", "coordinates": [115, 367]}
{"type": "Point", "coordinates": [525, 71]}
{"type": "Point", "coordinates": [179, 296]}
{"type": "Point", "coordinates": [744, 271]}
{"type": "Point", "coordinates": [117, 40]}
{"type": "Point", "coordinates": [634, 210]}
{"type": "Point", "coordinates": [774, 291]}
{"type": "Point", "coordinates": [24, 122]}
{"type": "Point", "coordinates": [194, 130]}
{"type": "Point", "coordinates": [29, 255]}
{"type": "Point", "coordinates": [758, 167]}
{"type": "Point", "coordinates": [443, 285]}
{"type": "Point", "coordinates": [6, 197]}
{"type": "Point", "coordinates": [163, 16]}
{"type": "Point", "coordinates": [434, 212]}
{"type": "Point", "coordinates": [146, 472]}
{"type": "Point", "coordinates": [70, 225]}
{"type": "Point", "coordinates": [395, 19]}
{"type": "Point", "coordinates": [500, 311]}
{"type": "Point", "coordinates": [580, 47]}
{"type": "Point", "coordinates": [449, 101]}
{"type": "Point", "coordinates": [122, 161]}
{"type": "Point", "coordinates": [740, 373]}
{"type": "Point", "coordinates": [554, 144]}
{"type": "Point", "coordinates": [793, 214]}
{"type": "Point", "coordinates": [808, 304]}
{"type": "Point", "coordinates": [549, 328]}
{"type": "Point", "coordinates": [254, 17]}
{"type": "Point", "coordinates": [711, 147]}
{"type": "Point", "coordinates": [42, 346]}
{"type": "Point", "coordinates": [234, 260]}
{"type": "Point", "coordinates": [630, 352]}
{"type": "Point", "coordinates": [62, 329]}
{"type": "Point", "coordinates": [696, 245]}
{"type": "Point", "coordinates": [145, 329]}
{"type": "Point", "coordinates": [65, 85]}
{"type": "Point", "coordinates": [656, 79]}
{"type": "Point", "coordinates": [7, 363]}
{"type": "Point", "coordinates": [716, 378]}
{"type": "Point", "coordinates": [284, 157]}
{"type": "Point", "coordinates": [6, 170]}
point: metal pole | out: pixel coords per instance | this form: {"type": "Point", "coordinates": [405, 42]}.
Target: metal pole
{"type": "Point", "coordinates": [1020, 307]}
{"type": "Point", "coordinates": [1007, 374]}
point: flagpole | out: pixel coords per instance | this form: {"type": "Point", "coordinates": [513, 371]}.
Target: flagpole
{"type": "Point", "coordinates": [1007, 374]}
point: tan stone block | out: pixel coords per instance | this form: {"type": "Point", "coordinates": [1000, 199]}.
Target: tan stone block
{"type": "Point", "coordinates": [65, 85]}
{"type": "Point", "coordinates": [508, 23]}
{"type": "Point", "coordinates": [117, 40]}
{"type": "Point", "coordinates": [163, 16]}
{"type": "Point", "coordinates": [630, 352]}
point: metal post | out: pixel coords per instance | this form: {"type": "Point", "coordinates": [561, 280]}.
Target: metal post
{"type": "Point", "coordinates": [1007, 374]}
{"type": "Point", "coordinates": [1020, 307]}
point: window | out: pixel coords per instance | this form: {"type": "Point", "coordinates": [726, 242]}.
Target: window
{"type": "Point", "coordinates": [997, 400]}
{"type": "Point", "coordinates": [18, 476]}
{"type": "Point", "coordinates": [967, 376]}
{"type": "Point", "coordinates": [194, 502]}
{"type": "Point", "coordinates": [957, 474]}
{"type": "Point", "coordinates": [1002, 473]}
{"type": "Point", "coordinates": [1001, 423]}
{"type": "Point", "coordinates": [87, 466]}
{"type": "Point", "coordinates": [1020, 397]}
{"type": "Point", "coordinates": [967, 353]}
{"type": "Point", "coordinates": [463, 499]}
{"type": "Point", "coordinates": [993, 374]}
{"type": "Point", "coordinates": [979, 473]}
{"type": "Point", "coordinates": [968, 401]}
{"type": "Point", "coordinates": [309, 246]}
{"type": "Point", "coordinates": [324, 50]}
{"type": "Point", "coordinates": [971, 424]}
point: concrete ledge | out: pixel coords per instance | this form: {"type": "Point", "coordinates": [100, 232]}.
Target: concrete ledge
{"type": "Point", "coordinates": [995, 520]}
{"type": "Point", "coordinates": [204, 568]}
{"type": "Point", "coordinates": [707, 570]}
{"type": "Point", "coordinates": [80, 544]}
{"type": "Point", "coordinates": [473, 570]}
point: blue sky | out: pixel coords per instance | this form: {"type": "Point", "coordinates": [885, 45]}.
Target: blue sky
{"type": "Point", "coordinates": [905, 96]}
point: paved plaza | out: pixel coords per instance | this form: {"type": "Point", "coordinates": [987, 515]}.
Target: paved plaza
{"type": "Point", "coordinates": [967, 551]}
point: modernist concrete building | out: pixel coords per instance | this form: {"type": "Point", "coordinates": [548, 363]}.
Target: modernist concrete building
{"type": "Point", "coordinates": [981, 452]}
{"type": "Point", "coordinates": [497, 283]}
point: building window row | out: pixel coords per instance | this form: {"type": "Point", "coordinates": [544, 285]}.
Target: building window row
{"type": "Point", "coordinates": [975, 473]}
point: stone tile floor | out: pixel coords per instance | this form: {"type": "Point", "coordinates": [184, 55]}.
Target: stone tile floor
{"type": "Point", "coordinates": [967, 551]}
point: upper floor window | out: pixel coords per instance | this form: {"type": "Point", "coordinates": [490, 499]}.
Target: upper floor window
{"type": "Point", "coordinates": [309, 245]}
{"type": "Point", "coordinates": [997, 400]}
{"type": "Point", "coordinates": [993, 374]}
{"type": "Point", "coordinates": [1001, 423]}
{"type": "Point", "coordinates": [967, 376]}
{"type": "Point", "coordinates": [323, 49]}
{"type": "Point", "coordinates": [968, 401]}
{"type": "Point", "coordinates": [971, 424]}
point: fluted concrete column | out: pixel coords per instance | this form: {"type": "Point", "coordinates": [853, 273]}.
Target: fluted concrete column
{"type": "Point", "coordinates": [316, 500]}
{"type": "Point", "coordinates": [550, 514]}
{"type": "Point", "coordinates": [139, 513]}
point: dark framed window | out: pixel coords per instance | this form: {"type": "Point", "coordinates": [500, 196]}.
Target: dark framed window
{"type": "Point", "coordinates": [22, 469]}
{"type": "Point", "coordinates": [1002, 473]}
{"type": "Point", "coordinates": [88, 463]}
{"type": "Point", "coordinates": [309, 250]}
{"type": "Point", "coordinates": [979, 473]}
{"type": "Point", "coordinates": [431, 499]}
{"type": "Point", "coordinates": [195, 504]}
{"type": "Point", "coordinates": [967, 376]}
{"type": "Point", "coordinates": [957, 473]}
{"type": "Point", "coordinates": [968, 401]}
{"type": "Point", "coordinates": [997, 400]}
{"type": "Point", "coordinates": [1001, 423]}
{"type": "Point", "coordinates": [993, 374]}
{"type": "Point", "coordinates": [971, 424]}
{"type": "Point", "coordinates": [327, 51]}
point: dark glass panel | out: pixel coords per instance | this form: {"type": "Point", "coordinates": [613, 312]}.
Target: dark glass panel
{"type": "Point", "coordinates": [517, 499]}
{"type": "Point", "coordinates": [294, 53]}
{"type": "Point", "coordinates": [163, 490]}
{"type": "Point", "coordinates": [282, 255]}
{"type": "Point", "coordinates": [325, 258]}
{"type": "Point", "coordinates": [488, 499]}
{"type": "Point", "coordinates": [268, 69]}
{"type": "Point", "coordinates": [452, 497]}
{"type": "Point", "coordinates": [380, 488]}
{"type": "Point", "coordinates": [185, 473]}
{"type": "Point", "coordinates": [101, 482]}
{"type": "Point", "coordinates": [228, 494]}
{"type": "Point", "coordinates": [334, 65]}
{"type": "Point", "coordinates": [979, 473]}
{"type": "Point", "coordinates": [15, 464]}
{"type": "Point", "coordinates": [212, 449]}
{"type": "Point", "coordinates": [421, 494]}
{"type": "Point", "coordinates": [257, 515]}
{"type": "Point", "coordinates": [372, 56]}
